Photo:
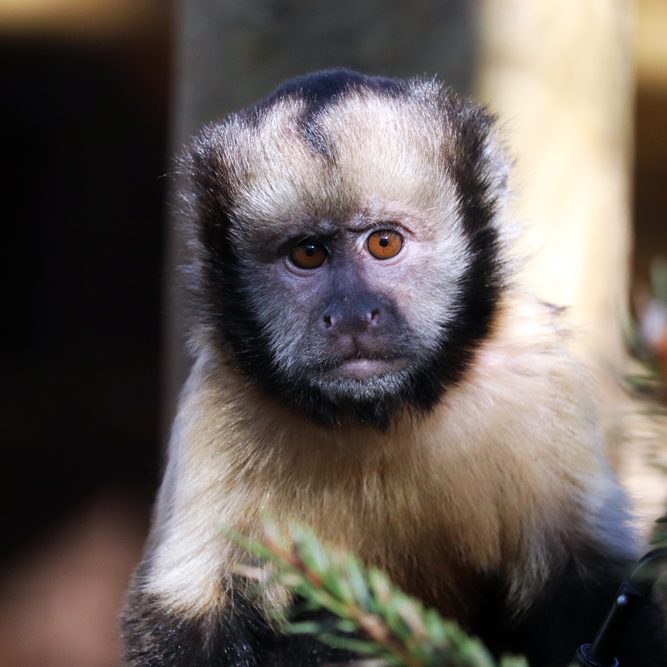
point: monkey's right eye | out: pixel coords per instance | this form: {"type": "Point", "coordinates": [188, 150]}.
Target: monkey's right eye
{"type": "Point", "coordinates": [308, 254]}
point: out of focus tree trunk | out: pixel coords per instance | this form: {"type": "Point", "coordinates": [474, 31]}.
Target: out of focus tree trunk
{"type": "Point", "coordinates": [560, 77]}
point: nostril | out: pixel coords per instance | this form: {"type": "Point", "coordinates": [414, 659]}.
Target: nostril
{"type": "Point", "coordinates": [355, 319]}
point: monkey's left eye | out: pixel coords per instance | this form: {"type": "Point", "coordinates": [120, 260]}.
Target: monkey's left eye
{"type": "Point", "coordinates": [308, 254]}
{"type": "Point", "coordinates": [384, 244]}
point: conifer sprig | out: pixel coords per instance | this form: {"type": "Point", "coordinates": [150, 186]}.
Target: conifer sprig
{"type": "Point", "coordinates": [371, 616]}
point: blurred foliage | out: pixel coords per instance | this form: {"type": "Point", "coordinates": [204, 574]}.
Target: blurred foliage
{"type": "Point", "coordinates": [659, 537]}
{"type": "Point", "coordinates": [659, 541]}
{"type": "Point", "coordinates": [371, 616]}
{"type": "Point", "coordinates": [647, 338]}
{"type": "Point", "coordinates": [659, 279]}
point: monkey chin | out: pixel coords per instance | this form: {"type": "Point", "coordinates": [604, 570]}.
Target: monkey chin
{"type": "Point", "coordinates": [361, 382]}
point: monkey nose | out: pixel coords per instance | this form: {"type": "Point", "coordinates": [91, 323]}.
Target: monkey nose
{"type": "Point", "coordinates": [350, 321]}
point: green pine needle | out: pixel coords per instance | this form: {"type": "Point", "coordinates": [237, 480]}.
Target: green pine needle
{"type": "Point", "coordinates": [374, 618]}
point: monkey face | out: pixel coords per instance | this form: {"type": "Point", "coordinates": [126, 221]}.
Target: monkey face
{"type": "Point", "coordinates": [347, 246]}
{"type": "Point", "coordinates": [341, 305]}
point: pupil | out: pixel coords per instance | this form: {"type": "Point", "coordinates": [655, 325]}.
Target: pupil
{"type": "Point", "coordinates": [310, 250]}
{"type": "Point", "coordinates": [384, 241]}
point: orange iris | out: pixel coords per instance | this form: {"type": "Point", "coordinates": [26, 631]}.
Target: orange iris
{"type": "Point", "coordinates": [384, 244]}
{"type": "Point", "coordinates": [308, 255]}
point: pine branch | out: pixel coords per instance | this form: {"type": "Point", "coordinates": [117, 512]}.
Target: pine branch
{"type": "Point", "coordinates": [373, 617]}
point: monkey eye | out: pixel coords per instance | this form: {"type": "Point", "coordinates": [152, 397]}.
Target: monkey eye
{"type": "Point", "coordinates": [309, 254]}
{"type": "Point", "coordinates": [384, 244]}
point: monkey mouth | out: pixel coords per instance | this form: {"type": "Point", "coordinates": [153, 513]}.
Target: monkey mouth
{"type": "Point", "coordinates": [364, 368]}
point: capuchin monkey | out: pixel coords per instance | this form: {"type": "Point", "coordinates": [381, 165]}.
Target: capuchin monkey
{"type": "Point", "coordinates": [367, 364]}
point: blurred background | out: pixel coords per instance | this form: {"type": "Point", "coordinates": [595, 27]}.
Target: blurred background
{"type": "Point", "coordinates": [96, 95]}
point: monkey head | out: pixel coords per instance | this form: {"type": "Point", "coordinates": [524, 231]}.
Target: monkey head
{"type": "Point", "coordinates": [348, 242]}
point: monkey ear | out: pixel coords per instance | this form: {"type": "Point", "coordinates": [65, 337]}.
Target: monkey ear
{"type": "Point", "coordinates": [206, 178]}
